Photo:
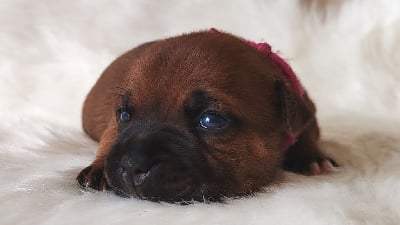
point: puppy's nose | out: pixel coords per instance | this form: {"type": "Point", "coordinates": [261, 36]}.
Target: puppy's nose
{"type": "Point", "coordinates": [140, 156]}
{"type": "Point", "coordinates": [136, 170]}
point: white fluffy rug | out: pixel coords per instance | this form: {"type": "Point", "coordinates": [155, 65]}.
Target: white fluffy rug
{"type": "Point", "coordinates": [347, 53]}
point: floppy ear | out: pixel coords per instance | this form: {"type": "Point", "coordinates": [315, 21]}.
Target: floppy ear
{"type": "Point", "coordinates": [297, 110]}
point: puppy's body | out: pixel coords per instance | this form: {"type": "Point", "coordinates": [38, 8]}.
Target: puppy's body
{"type": "Point", "coordinates": [201, 115]}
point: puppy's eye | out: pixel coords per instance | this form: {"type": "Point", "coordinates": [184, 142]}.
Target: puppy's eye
{"type": "Point", "coordinates": [213, 121]}
{"type": "Point", "coordinates": [123, 115]}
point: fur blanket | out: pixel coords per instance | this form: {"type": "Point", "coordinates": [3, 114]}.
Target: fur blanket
{"type": "Point", "coordinates": [346, 53]}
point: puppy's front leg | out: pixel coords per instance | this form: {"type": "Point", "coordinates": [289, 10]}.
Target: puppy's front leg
{"type": "Point", "coordinates": [306, 157]}
{"type": "Point", "coordinates": [93, 176]}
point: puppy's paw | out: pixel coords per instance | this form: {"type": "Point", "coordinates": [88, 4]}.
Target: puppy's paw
{"type": "Point", "coordinates": [310, 164]}
{"type": "Point", "coordinates": [321, 165]}
{"type": "Point", "coordinates": [93, 177]}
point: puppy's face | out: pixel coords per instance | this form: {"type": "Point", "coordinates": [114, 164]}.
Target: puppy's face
{"type": "Point", "coordinates": [197, 117]}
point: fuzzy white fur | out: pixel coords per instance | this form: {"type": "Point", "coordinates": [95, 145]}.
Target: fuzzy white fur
{"type": "Point", "coordinates": [346, 53]}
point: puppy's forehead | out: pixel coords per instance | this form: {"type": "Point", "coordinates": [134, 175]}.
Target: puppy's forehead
{"type": "Point", "coordinates": [211, 62]}
{"type": "Point", "coordinates": [193, 57]}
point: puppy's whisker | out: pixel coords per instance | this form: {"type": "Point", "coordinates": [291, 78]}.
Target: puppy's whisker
{"type": "Point", "coordinates": [119, 91]}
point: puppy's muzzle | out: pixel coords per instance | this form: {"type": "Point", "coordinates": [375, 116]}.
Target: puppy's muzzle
{"type": "Point", "coordinates": [159, 164]}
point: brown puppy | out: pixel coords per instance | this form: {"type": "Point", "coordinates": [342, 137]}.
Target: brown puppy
{"type": "Point", "coordinates": [198, 116]}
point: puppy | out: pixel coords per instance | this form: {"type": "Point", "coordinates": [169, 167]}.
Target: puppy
{"type": "Point", "coordinates": [200, 116]}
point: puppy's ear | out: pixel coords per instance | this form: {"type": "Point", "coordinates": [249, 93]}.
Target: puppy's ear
{"type": "Point", "coordinates": [297, 111]}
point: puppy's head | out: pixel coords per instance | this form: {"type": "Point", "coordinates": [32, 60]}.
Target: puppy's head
{"type": "Point", "coordinates": [199, 116]}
